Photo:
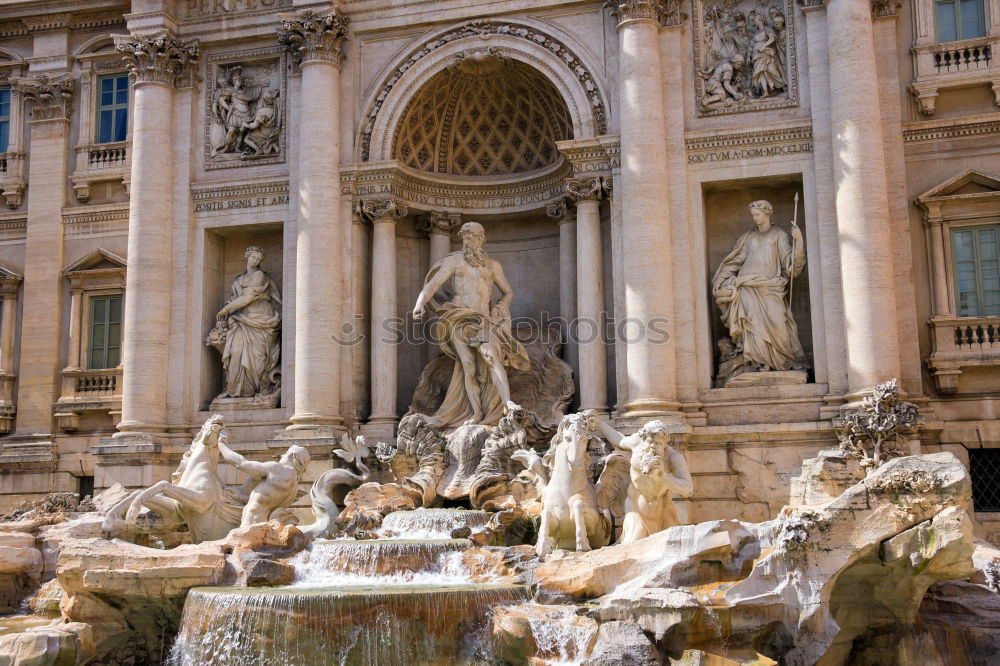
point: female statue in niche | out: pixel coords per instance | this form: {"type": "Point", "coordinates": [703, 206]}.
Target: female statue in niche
{"type": "Point", "coordinates": [750, 287]}
{"type": "Point", "coordinates": [247, 333]}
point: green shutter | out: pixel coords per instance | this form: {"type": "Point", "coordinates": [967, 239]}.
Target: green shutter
{"type": "Point", "coordinates": [105, 332]}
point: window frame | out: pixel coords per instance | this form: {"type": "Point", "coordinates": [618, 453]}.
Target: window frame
{"type": "Point", "coordinates": [972, 225]}
{"type": "Point", "coordinates": [87, 347]}
{"type": "Point", "coordinates": [951, 269]}
{"type": "Point", "coordinates": [5, 142]}
{"type": "Point", "coordinates": [113, 108]}
{"type": "Point", "coordinates": [983, 24]}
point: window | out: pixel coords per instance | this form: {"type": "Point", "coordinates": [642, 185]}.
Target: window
{"type": "Point", "coordinates": [4, 118]}
{"type": "Point", "coordinates": [959, 19]}
{"type": "Point", "coordinates": [984, 468]}
{"type": "Point", "coordinates": [977, 270]}
{"type": "Point", "coordinates": [112, 108]}
{"type": "Point", "coordinates": [105, 332]}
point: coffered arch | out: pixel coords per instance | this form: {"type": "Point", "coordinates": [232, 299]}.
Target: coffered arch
{"type": "Point", "coordinates": [532, 45]}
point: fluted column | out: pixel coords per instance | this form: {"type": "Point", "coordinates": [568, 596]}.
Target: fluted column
{"type": "Point", "coordinates": [645, 218]}
{"type": "Point", "coordinates": [383, 213]}
{"type": "Point", "coordinates": [157, 66]}
{"type": "Point", "coordinates": [590, 293]}
{"type": "Point", "coordinates": [566, 217]}
{"type": "Point", "coordinates": [438, 226]}
{"type": "Point", "coordinates": [863, 219]}
{"type": "Point", "coordinates": [314, 42]}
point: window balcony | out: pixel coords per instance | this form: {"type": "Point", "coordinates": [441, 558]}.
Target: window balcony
{"type": "Point", "coordinates": [12, 181]}
{"type": "Point", "coordinates": [86, 391]}
{"type": "Point", "coordinates": [961, 343]}
{"type": "Point", "coordinates": [100, 162]}
{"type": "Point", "coordinates": [960, 64]}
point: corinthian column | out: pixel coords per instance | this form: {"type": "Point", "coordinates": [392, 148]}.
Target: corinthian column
{"type": "Point", "coordinates": [383, 213]}
{"type": "Point", "coordinates": [863, 219]}
{"type": "Point", "coordinates": [314, 42]}
{"type": "Point", "coordinates": [564, 215]}
{"type": "Point", "coordinates": [587, 193]}
{"type": "Point", "coordinates": [645, 218]}
{"type": "Point", "coordinates": [157, 66]}
{"type": "Point", "coordinates": [438, 225]}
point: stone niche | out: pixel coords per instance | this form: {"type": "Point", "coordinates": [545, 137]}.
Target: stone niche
{"type": "Point", "coordinates": [726, 219]}
{"type": "Point", "coordinates": [527, 246]}
{"type": "Point", "coordinates": [225, 259]}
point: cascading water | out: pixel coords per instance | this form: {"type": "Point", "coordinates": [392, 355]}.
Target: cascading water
{"type": "Point", "coordinates": [406, 599]}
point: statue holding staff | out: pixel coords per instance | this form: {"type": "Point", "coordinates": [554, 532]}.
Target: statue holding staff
{"type": "Point", "coordinates": [750, 287]}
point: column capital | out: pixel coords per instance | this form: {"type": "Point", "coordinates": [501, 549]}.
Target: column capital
{"type": "Point", "coordinates": [559, 210]}
{"type": "Point", "coordinates": [664, 12]}
{"type": "Point", "coordinates": [159, 59]}
{"type": "Point", "coordinates": [587, 189]}
{"type": "Point", "coordinates": [885, 8]}
{"type": "Point", "coordinates": [312, 37]}
{"type": "Point", "coordinates": [438, 222]}
{"type": "Point", "coordinates": [381, 210]}
{"type": "Point", "coordinates": [53, 99]}
{"type": "Point", "coordinates": [809, 5]}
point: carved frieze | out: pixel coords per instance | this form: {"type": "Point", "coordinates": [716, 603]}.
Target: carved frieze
{"type": "Point", "coordinates": [311, 36]}
{"type": "Point", "coordinates": [159, 59]}
{"type": "Point", "coordinates": [246, 110]}
{"type": "Point", "coordinates": [745, 56]}
{"type": "Point", "coordinates": [52, 99]}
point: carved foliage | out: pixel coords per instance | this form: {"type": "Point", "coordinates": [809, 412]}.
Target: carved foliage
{"type": "Point", "coordinates": [745, 56]}
{"type": "Point", "coordinates": [664, 12]}
{"type": "Point", "coordinates": [159, 59]}
{"type": "Point", "coordinates": [884, 8]}
{"type": "Point", "coordinates": [53, 100]}
{"type": "Point", "coordinates": [310, 36]}
{"type": "Point", "coordinates": [874, 432]}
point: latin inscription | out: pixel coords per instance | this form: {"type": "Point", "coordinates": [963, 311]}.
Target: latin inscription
{"type": "Point", "coordinates": [749, 153]}
{"type": "Point", "coordinates": [195, 9]}
{"type": "Point", "coordinates": [241, 203]}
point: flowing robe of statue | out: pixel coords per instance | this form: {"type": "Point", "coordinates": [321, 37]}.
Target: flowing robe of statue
{"type": "Point", "coordinates": [757, 315]}
{"type": "Point", "coordinates": [252, 350]}
{"type": "Point", "coordinates": [457, 325]}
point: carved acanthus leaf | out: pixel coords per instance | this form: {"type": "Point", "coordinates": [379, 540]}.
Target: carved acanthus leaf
{"type": "Point", "coordinates": [664, 12]}
{"type": "Point", "coordinates": [53, 100]}
{"type": "Point", "coordinates": [382, 209]}
{"type": "Point", "coordinates": [310, 36]}
{"type": "Point", "coordinates": [159, 59]}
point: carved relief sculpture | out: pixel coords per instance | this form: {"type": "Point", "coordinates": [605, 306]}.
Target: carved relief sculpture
{"type": "Point", "coordinates": [751, 288]}
{"type": "Point", "coordinates": [247, 334]}
{"type": "Point", "coordinates": [744, 56]}
{"type": "Point", "coordinates": [245, 113]}
{"type": "Point", "coordinates": [474, 331]}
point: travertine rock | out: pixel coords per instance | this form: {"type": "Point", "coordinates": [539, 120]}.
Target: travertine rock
{"type": "Point", "coordinates": [20, 569]}
{"type": "Point", "coordinates": [530, 631]}
{"type": "Point", "coordinates": [622, 644]}
{"type": "Point", "coordinates": [57, 644]}
{"type": "Point", "coordinates": [818, 585]}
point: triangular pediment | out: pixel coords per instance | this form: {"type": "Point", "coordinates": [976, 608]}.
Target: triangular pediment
{"type": "Point", "coordinates": [971, 183]}
{"type": "Point", "coordinates": [7, 274]}
{"type": "Point", "coordinates": [99, 259]}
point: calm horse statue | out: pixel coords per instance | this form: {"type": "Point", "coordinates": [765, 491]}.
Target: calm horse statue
{"type": "Point", "coordinates": [576, 514]}
{"type": "Point", "coordinates": [195, 495]}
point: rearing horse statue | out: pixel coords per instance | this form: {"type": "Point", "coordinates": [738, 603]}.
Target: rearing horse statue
{"type": "Point", "coordinates": [576, 514]}
{"type": "Point", "coordinates": [195, 495]}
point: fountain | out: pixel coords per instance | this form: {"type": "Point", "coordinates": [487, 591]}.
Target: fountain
{"type": "Point", "coordinates": [405, 598]}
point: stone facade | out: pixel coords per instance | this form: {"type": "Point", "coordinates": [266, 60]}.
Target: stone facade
{"type": "Point", "coordinates": [609, 151]}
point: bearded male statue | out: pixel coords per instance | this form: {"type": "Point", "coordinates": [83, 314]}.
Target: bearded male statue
{"type": "Point", "coordinates": [474, 331]}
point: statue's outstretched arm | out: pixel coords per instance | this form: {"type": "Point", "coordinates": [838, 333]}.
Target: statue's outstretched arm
{"type": "Point", "coordinates": [239, 462]}
{"type": "Point", "coordinates": [613, 436]}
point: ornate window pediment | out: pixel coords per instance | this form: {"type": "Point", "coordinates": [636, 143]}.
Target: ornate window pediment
{"type": "Point", "coordinates": [962, 219]}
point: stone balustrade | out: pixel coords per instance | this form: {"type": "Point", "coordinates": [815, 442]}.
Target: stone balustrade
{"type": "Point", "coordinates": [958, 64]}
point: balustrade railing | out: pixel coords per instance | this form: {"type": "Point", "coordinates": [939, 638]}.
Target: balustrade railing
{"type": "Point", "coordinates": [982, 335]}
{"type": "Point", "coordinates": [106, 156]}
{"type": "Point", "coordinates": [962, 58]}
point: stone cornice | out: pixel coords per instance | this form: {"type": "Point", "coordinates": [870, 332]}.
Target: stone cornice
{"type": "Point", "coordinates": [952, 129]}
{"type": "Point", "coordinates": [310, 37]}
{"type": "Point", "coordinates": [159, 59]}
{"type": "Point", "coordinates": [53, 100]}
{"type": "Point", "coordinates": [664, 12]}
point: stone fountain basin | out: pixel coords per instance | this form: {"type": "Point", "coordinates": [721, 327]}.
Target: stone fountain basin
{"type": "Point", "coordinates": [378, 557]}
{"type": "Point", "coordinates": [360, 625]}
